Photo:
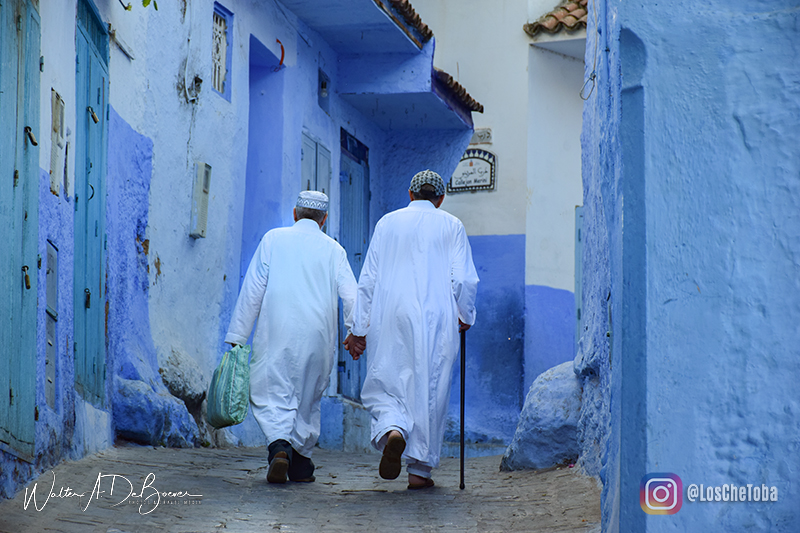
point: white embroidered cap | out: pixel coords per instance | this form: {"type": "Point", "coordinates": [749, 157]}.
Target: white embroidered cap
{"type": "Point", "coordinates": [313, 200]}
{"type": "Point", "coordinates": [427, 177]}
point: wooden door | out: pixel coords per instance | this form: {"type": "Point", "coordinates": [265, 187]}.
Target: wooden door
{"type": "Point", "coordinates": [19, 205]}
{"type": "Point", "coordinates": [90, 190]}
{"type": "Point", "coordinates": [354, 237]}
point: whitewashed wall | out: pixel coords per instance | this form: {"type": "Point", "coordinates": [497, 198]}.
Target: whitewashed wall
{"type": "Point", "coordinates": [483, 47]}
{"type": "Point", "coordinates": [554, 167]}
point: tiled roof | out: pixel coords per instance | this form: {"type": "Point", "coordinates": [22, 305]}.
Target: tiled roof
{"type": "Point", "coordinates": [412, 18]}
{"type": "Point", "coordinates": [457, 90]}
{"type": "Point", "coordinates": [570, 15]}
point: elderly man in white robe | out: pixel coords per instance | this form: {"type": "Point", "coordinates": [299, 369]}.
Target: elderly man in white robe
{"type": "Point", "coordinates": [292, 288]}
{"type": "Point", "coordinates": [416, 291]}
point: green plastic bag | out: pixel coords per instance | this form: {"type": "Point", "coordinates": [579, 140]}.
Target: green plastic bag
{"type": "Point", "coordinates": [229, 392]}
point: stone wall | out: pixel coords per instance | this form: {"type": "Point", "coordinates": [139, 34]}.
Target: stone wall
{"type": "Point", "coordinates": [691, 258]}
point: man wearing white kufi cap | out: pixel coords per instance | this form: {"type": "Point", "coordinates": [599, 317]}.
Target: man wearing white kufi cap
{"type": "Point", "coordinates": [291, 293]}
{"type": "Point", "coordinates": [417, 288]}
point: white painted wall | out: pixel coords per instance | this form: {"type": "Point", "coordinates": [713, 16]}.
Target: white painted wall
{"type": "Point", "coordinates": [483, 47]}
{"type": "Point", "coordinates": [537, 8]}
{"type": "Point", "coordinates": [532, 105]}
{"type": "Point", "coordinates": [189, 278]}
{"type": "Point", "coordinates": [554, 184]}
{"type": "Point", "coordinates": [58, 50]}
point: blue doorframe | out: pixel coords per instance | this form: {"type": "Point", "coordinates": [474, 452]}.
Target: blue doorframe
{"type": "Point", "coordinates": [19, 207]}
{"type": "Point", "coordinates": [90, 196]}
{"type": "Point", "coordinates": [354, 237]}
{"type": "Point", "coordinates": [264, 206]}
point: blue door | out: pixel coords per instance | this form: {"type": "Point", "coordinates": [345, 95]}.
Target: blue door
{"type": "Point", "coordinates": [354, 237]}
{"type": "Point", "coordinates": [90, 193]}
{"type": "Point", "coordinates": [19, 193]}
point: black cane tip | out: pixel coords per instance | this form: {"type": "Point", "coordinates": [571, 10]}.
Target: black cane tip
{"type": "Point", "coordinates": [461, 486]}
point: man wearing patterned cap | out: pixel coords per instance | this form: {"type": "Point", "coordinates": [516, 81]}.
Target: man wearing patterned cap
{"type": "Point", "coordinates": [291, 293]}
{"type": "Point", "coordinates": [417, 289]}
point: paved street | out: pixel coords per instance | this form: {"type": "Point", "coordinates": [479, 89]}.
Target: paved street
{"type": "Point", "coordinates": [227, 491]}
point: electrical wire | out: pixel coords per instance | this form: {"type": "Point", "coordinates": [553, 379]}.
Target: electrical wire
{"type": "Point", "coordinates": [593, 75]}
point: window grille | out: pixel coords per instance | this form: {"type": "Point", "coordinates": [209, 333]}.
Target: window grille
{"type": "Point", "coordinates": [219, 52]}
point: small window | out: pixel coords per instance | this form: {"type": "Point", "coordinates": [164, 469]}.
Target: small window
{"type": "Point", "coordinates": [324, 92]}
{"type": "Point", "coordinates": [221, 51]}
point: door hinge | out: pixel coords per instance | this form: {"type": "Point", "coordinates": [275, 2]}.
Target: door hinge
{"type": "Point", "coordinates": [88, 301]}
{"type": "Point", "coordinates": [41, 63]}
{"type": "Point", "coordinates": [16, 177]}
{"type": "Point", "coordinates": [10, 396]}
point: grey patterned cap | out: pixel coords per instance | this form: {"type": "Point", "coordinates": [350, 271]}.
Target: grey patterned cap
{"type": "Point", "coordinates": [427, 177]}
{"type": "Point", "coordinates": [313, 200]}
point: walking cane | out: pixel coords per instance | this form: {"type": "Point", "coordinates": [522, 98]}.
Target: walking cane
{"type": "Point", "coordinates": [463, 371]}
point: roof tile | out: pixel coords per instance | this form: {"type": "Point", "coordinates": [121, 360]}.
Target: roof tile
{"type": "Point", "coordinates": [569, 15]}
{"type": "Point", "coordinates": [458, 90]}
{"type": "Point", "coordinates": [412, 18]}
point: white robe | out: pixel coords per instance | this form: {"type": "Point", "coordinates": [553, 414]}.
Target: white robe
{"type": "Point", "coordinates": [418, 279]}
{"type": "Point", "coordinates": [291, 286]}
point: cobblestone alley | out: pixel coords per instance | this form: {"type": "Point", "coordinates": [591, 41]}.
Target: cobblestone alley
{"type": "Point", "coordinates": [227, 491]}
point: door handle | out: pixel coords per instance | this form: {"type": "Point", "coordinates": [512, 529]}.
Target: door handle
{"type": "Point", "coordinates": [93, 114]}
{"type": "Point", "coordinates": [26, 277]}
{"type": "Point", "coordinates": [88, 302]}
{"type": "Point", "coordinates": [92, 196]}
{"type": "Point", "coordinates": [31, 136]}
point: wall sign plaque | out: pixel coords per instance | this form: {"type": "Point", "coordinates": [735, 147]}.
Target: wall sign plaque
{"type": "Point", "coordinates": [475, 172]}
{"type": "Point", "coordinates": [482, 136]}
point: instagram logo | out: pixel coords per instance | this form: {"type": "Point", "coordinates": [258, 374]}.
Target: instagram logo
{"type": "Point", "coordinates": [661, 494]}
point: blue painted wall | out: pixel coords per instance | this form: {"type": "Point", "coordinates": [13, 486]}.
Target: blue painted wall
{"type": "Point", "coordinates": [691, 259]}
{"type": "Point", "coordinates": [549, 330]}
{"type": "Point", "coordinates": [263, 206]}
{"type": "Point", "coordinates": [407, 152]}
{"type": "Point", "coordinates": [131, 353]}
{"type": "Point", "coordinates": [143, 410]}
{"type": "Point", "coordinates": [495, 344]}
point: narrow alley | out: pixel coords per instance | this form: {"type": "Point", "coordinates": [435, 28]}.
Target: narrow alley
{"type": "Point", "coordinates": [227, 491]}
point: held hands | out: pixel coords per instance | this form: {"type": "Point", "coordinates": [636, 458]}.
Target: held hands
{"type": "Point", "coordinates": [355, 345]}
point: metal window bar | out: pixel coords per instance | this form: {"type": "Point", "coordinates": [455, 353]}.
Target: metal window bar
{"type": "Point", "coordinates": [219, 52]}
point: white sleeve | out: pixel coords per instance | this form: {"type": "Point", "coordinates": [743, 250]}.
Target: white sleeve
{"type": "Point", "coordinates": [366, 286]}
{"type": "Point", "coordinates": [347, 287]}
{"type": "Point", "coordinates": [464, 277]}
{"type": "Point", "coordinates": [248, 305]}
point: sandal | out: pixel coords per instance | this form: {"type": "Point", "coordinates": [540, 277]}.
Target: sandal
{"type": "Point", "coordinates": [428, 484]}
{"type": "Point", "coordinates": [278, 468]}
{"type": "Point", "coordinates": [391, 464]}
